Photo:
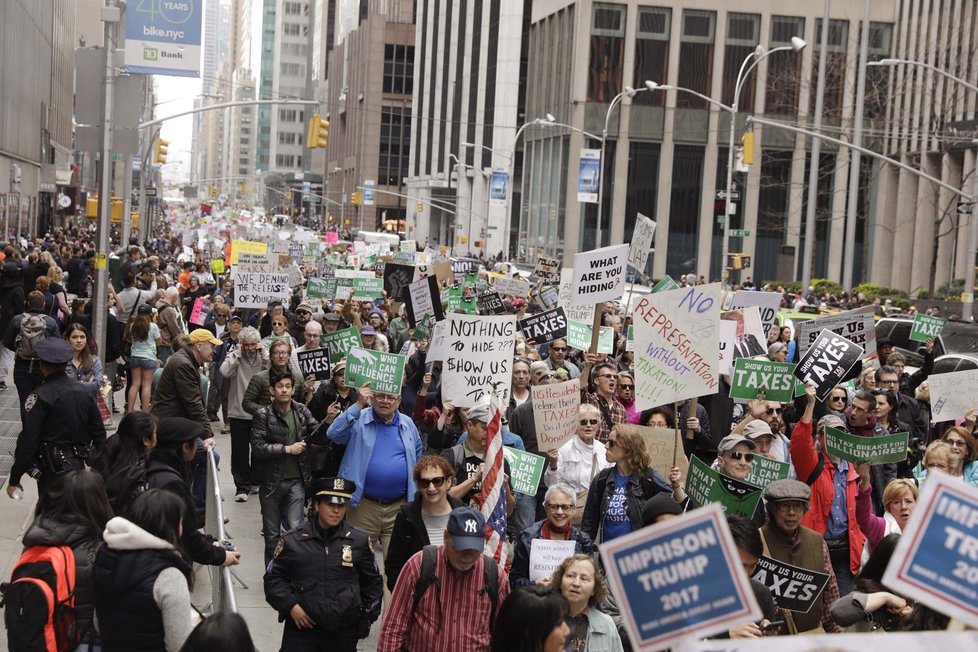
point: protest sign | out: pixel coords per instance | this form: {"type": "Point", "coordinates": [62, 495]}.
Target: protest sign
{"type": "Point", "coordinates": [469, 305]}
{"type": "Point", "coordinates": [925, 326]}
{"type": "Point", "coordinates": [525, 470]}
{"type": "Point", "coordinates": [680, 578]}
{"type": "Point", "coordinates": [249, 262]}
{"type": "Point", "coordinates": [751, 376]}
{"type": "Point", "coordinates": [630, 339]}
{"type": "Point", "coordinates": [677, 349]}
{"type": "Point", "coordinates": [749, 336]}
{"type": "Point", "coordinates": [384, 372]}
{"type": "Point", "coordinates": [257, 289]}
{"type": "Point", "coordinates": [936, 560]}
{"type": "Point", "coordinates": [443, 270]}
{"type": "Point", "coordinates": [546, 555]}
{"type": "Point", "coordinates": [397, 278]}
{"type": "Point", "coordinates": [511, 286]}
{"type": "Point", "coordinates": [599, 275]}
{"type": "Point", "coordinates": [321, 288]}
{"type": "Point", "coordinates": [490, 303]}
{"type": "Point", "coordinates": [665, 284]}
{"type": "Point", "coordinates": [202, 308]}
{"type": "Point", "coordinates": [794, 588]}
{"type": "Point", "coordinates": [314, 362]}
{"type": "Point", "coordinates": [903, 641]}
{"type": "Point", "coordinates": [555, 412]}
{"type": "Point", "coordinates": [879, 449]}
{"type": "Point", "coordinates": [479, 358]}
{"type": "Point", "coordinates": [764, 471]}
{"type": "Point", "coordinates": [665, 447]}
{"type": "Point", "coordinates": [423, 299]}
{"type": "Point", "coordinates": [547, 267]}
{"type": "Point", "coordinates": [239, 246]}
{"type": "Point", "coordinates": [705, 486]}
{"type": "Point", "coordinates": [953, 395]}
{"type": "Point", "coordinates": [728, 338]}
{"type": "Point", "coordinates": [545, 326]}
{"type": "Point", "coordinates": [340, 342]}
{"type": "Point", "coordinates": [858, 326]}
{"type": "Point", "coordinates": [217, 267]}
{"type": "Point", "coordinates": [583, 314]}
{"type": "Point", "coordinates": [579, 337]}
{"type": "Point", "coordinates": [368, 289]}
{"type": "Point", "coordinates": [453, 298]}
{"type": "Point", "coordinates": [827, 362]}
{"type": "Point", "coordinates": [641, 244]}
{"type": "Point", "coordinates": [768, 303]}
{"type": "Point", "coordinates": [437, 347]}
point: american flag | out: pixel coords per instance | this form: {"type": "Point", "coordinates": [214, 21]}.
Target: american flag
{"type": "Point", "coordinates": [493, 496]}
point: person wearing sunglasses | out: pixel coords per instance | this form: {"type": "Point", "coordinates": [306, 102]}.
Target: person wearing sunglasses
{"type": "Point", "coordinates": [422, 521]}
{"type": "Point", "coordinates": [560, 507]}
{"type": "Point", "coordinates": [837, 400]}
{"type": "Point", "coordinates": [625, 395]}
{"type": "Point", "coordinates": [907, 408]}
{"type": "Point", "coordinates": [605, 377]}
{"type": "Point", "coordinates": [735, 456]}
{"type": "Point", "coordinates": [963, 449]}
{"type": "Point", "coordinates": [580, 458]}
{"type": "Point", "coordinates": [557, 358]}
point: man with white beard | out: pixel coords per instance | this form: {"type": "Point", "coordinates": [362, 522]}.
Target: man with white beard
{"type": "Point", "coordinates": [238, 368]}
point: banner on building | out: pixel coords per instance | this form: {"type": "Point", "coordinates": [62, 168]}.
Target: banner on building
{"type": "Point", "coordinates": [163, 37]}
{"type": "Point", "coordinates": [589, 176]}
{"type": "Point", "coordinates": [498, 187]}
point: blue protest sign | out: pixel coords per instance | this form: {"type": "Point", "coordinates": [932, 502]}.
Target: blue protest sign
{"type": "Point", "coordinates": [680, 578]}
{"type": "Point", "coordinates": [163, 37]}
{"type": "Point", "coordinates": [936, 560]}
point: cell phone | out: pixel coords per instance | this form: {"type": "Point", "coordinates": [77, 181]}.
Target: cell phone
{"type": "Point", "coordinates": [770, 627]}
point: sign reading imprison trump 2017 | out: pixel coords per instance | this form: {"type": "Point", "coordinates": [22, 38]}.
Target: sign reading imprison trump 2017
{"type": "Point", "coordinates": [827, 361]}
{"type": "Point", "coordinates": [677, 345]}
{"type": "Point", "coordinates": [256, 289]}
{"type": "Point", "coordinates": [525, 470]}
{"type": "Point", "coordinates": [752, 376]}
{"type": "Point", "coordinates": [858, 326]}
{"type": "Point", "coordinates": [679, 578]}
{"type": "Point", "coordinates": [555, 413]}
{"type": "Point", "coordinates": [478, 358]}
{"type": "Point", "coordinates": [589, 176]}
{"type": "Point", "coordinates": [936, 559]}
{"type": "Point", "coordinates": [340, 342]}
{"type": "Point", "coordinates": [314, 363]}
{"type": "Point", "coordinates": [599, 275]}
{"type": "Point", "coordinates": [641, 244]}
{"type": "Point", "coordinates": [953, 394]}
{"type": "Point", "coordinates": [881, 449]}
{"type": "Point", "coordinates": [383, 372]}
{"type": "Point", "coordinates": [545, 326]}
{"type": "Point", "coordinates": [925, 326]}
{"type": "Point", "coordinates": [705, 486]}
{"type": "Point", "coordinates": [163, 37]}
{"type": "Point", "coordinates": [794, 588]}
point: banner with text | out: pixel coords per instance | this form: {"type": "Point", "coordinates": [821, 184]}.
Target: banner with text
{"type": "Point", "coordinates": [599, 275]}
{"type": "Point", "coordinates": [705, 486]}
{"type": "Point", "coordinates": [925, 326]}
{"type": "Point", "coordinates": [545, 326]}
{"type": "Point", "coordinates": [339, 343]}
{"type": "Point", "coordinates": [793, 588]}
{"type": "Point", "coordinates": [525, 470]}
{"type": "Point", "coordinates": [953, 395]}
{"type": "Point", "coordinates": [827, 361]}
{"type": "Point", "coordinates": [478, 358]}
{"type": "Point", "coordinates": [751, 376]}
{"type": "Point", "coordinates": [257, 289]}
{"type": "Point", "coordinates": [555, 412]}
{"type": "Point", "coordinates": [423, 299]}
{"type": "Point", "coordinates": [163, 37]}
{"type": "Point", "coordinates": [546, 555]}
{"type": "Point", "coordinates": [858, 326]}
{"type": "Point", "coordinates": [879, 449]}
{"type": "Point", "coordinates": [383, 372]}
{"type": "Point", "coordinates": [641, 244]}
{"type": "Point", "coordinates": [579, 337]}
{"type": "Point", "coordinates": [583, 314]}
{"type": "Point", "coordinates": [314, 363]}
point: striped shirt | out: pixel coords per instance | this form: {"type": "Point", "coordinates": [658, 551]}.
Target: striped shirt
{"type": "Point", "coordinates": [464, 607]}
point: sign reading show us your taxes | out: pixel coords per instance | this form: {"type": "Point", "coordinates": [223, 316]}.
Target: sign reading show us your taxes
{"type": "Point", "coordinates": [163, 37]}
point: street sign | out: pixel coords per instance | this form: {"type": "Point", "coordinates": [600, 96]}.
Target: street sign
{"type": "Point", "coordinates": [965, 207]}
{"type": "Point", "coordinates": [722, 194]}
{"type": "Point", "coordinates": [739, 233]}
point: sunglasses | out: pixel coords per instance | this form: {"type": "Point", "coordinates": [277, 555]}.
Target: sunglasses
{"type": "Point", "coordinates": [771, 411]}
{"type": "Point", "coordinates": [628, 387]}
{"type": "Point", "coordinates": [424, 483]}
{"type": "Point", "coordinates": [589, 422]}
{"type": "Point", "coordinates": [837, 398]}
{"type": "Point", "coordinates": [735, 455]}
{"type": "Point", "coordinates": [605, 376]}
{"type": "Point", "coordinates": [558, 348]}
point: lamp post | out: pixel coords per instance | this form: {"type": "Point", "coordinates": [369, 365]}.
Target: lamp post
{"type": "Point", "coordinates": [545, 121]}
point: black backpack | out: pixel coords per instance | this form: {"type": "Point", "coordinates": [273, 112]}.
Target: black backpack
{"type": "Point", "coordinates": [427, 577]}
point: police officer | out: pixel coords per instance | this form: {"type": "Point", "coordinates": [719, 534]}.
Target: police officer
{"type": "Point", "coordinates": [62, 422]}
{"type": "Point", "coordinates": [328, 601]}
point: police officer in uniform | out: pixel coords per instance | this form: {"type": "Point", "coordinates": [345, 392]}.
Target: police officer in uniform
{"type": "Point", "coordinates": [62, 426]}
{"type": "Point", "coordinates": [323, 578]}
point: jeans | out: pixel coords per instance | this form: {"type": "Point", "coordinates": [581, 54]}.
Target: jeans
{"type": "Point", "coordinates": [523, 515]}
{"type": "Point", "coordinates": [6, 362]}
{"type": "Point", "coordinates": [241, 455]}
{"type": "Point", "coordinates": [163, 352]}
{"type": "Point", "coordinates": [281, 511]}
{"type": "Point", "coordinates": [26, 378]}
{"type": "Point", "coordinates": [839, 554]}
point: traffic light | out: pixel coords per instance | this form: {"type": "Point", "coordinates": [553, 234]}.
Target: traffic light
{"type": "Point", "coordinates": [318, 134]}
{"type": "Point", "coordinates": [748, 144]}
{"type": "Point", "coordinates": [356, 198]}
{"type": "Point", "coordinates": [738, 261]}
{"type": "Point", "coordinates": [244, 187]}
{"type": "Point", "coordinates": [159, 151]}
{"type": "Point", "coordinates": [420, 206]}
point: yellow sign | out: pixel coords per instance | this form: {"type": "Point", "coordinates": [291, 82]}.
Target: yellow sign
{"type": "Point", "coordinates": [463, 239]}
{"type": "Point", "coordinates": [99, 261]}
{"type": "Point", "coordinates": [217, 267]}
{"type": "Point", "coordinates": [246, 246]}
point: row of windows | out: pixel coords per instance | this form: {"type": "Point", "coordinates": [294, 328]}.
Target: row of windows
{"type": "Point", "coordinates": [288, 161]}
{"type": "Point", "coordinates": [291, 29]}
{"type": "Point", "coordinates": [399, 69]}
{"type": "Point", "coordinates": [292, 69]}
{"type": "Point", "coordinates": [290, 115]}
{"type": "Point", "coordinates": [395, 145]}
{"type": "Point", "coordinates": [293, 8]}
{"type": "Point", "coordinates": [295, 49]}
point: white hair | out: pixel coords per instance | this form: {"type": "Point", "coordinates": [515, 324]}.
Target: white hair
{"type": "Point", "coordinates": [171, 292]}
{"type": "Point", "coordinates": [560, 488]}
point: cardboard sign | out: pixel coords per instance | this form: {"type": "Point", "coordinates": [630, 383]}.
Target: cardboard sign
{"type": "Point", "coordinates": [339, 343]}
{"type": "Point", "coordinates": [665, 447]}
{"type": "Point", "coordinates": [705, 486]}
{"type": "Point", "coordinates": [397, 279]}
{"type": "Point", "coordinates": [599, 275]}
{"type": "Point", "coordinates": [794, 588]}
{"type": "Point", "coordinates": [384, 372]}
{"type": "Point", "coordinates": [239, 246]}
{"type": "Point", "coordinates": [583, 314]}
{"type": "Point", "coordinates": [579, 337]}
{"type": "Point", "coordinates": [752, 376]}
{"type": "Point", "coordinates": [490, 303]}
{"type": "Point", "coordinates": [546, 267]}
{"type": "Point", "coordinates": [767, 302]}
{"type": "Point", "coordinates": [677, 345]}
{"type": "Point", "coordinates": [479, 358]}
{"type": "Point", "coordinates": [827, 362]}
{"type": "Point", "coordinates": [858, 326]}
{"type": "Point", "coordinates": [665, 284]}
{"type": "Point", "coordinates": [875, 450]}
{"type": "Point", "coordinates": [641, 244]}
{"type": "Point", "coordinates": [545, 326]}
{"type": "Point", "coordinates": [525, 470]}
{"type": "Point", "coordinates": [925, 326]}
{"type": "Point", "coordinates": [555, 413]}
{"type": "Point", "coordinates": [764, 471]}
{"type": "Point", "coordinates": [953, 394]}
{"type": "Point", "coordinates": [437, 348]}
{"type": "Point", "coordinates": [546, 555]}
{"type": "Point", "coordinates": [423, 299]}
{"type": "Point", "coordinates": [511, 286]}
{"type": "Point", "coordinates": [314, 363]}
{"type": "Point", "coordinates": [443, 270]}
{"type": "Point", "coordinates": [257, 289]}
{"type": "Point", "coordinates": [679, 578]}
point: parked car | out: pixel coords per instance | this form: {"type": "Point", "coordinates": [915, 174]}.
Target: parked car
{"type": "Point", "coordinates": [957, 339]}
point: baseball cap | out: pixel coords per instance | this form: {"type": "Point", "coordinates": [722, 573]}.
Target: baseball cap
{"type": "Point", "coordinates": [757, 428]}
{"type": "Point", "coordinates": [467, 527]}
{"type": "Point", "coordinates": [199, 335]}
{"type": "Point", "coordinates": [368, 330]}
{"type": "Point", "coordinates": [480, 412]}
{"type": "Point", "coordinates": [728, 443]}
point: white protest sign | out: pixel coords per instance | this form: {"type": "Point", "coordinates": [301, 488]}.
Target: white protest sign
{"type": "Point", "coordinates": [767, 302]}
{"type": "Point", "coordinates": [858, 326]}
{"type": "Point", "coordinates": [546, 555]}
{"type": "Point", "coordinates": [641, 245]}
{"type": "Point", "coordinates": [516, 287]}
{"type": "Point", "coordinates": [953, 394]}
{"type": "Point", "coordinates": [599, 275]}
{"type": "Point", "coordinates": [583, 314]}
{"type": "Point", "coordinates": [677, 345]}
{"type": "Point", "coordinates": [555, 411]}
{"type": "Point", "coordinates": [728, 335]}
{"type": "Point", "coordinates": [478, 358]}
{"type": "Point", "coordinates": [437, 346]}
{"type": "Point", "coordinates": [256, 289]}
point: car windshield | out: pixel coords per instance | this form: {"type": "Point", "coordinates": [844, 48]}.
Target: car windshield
{"type": "Point", "coordinates": [960, 338]}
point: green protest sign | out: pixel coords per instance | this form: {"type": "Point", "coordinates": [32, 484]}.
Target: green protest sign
{"type": "Point", "coordinates": [481, 285]}
{"type": "Point", "coordinates": [925, 326]}
{"type": "Point", "coordinates": [579, 337]}
{"type": "Point", "coordinates": [470, 305]}
{"type": "Point", "coordinates": [454, 298]}
{"type": "Point", "coordinates": [321, 288]}
{"type": "Point", "coordinates": [664, 284]}
{"type": "Point", "coordinates": [423, 330]}
{"type": "Point", "coordinates": [525, 470]}
{"type": "Point", "coordinates": [471, 278]}
{"type": "Point", "coordinates": [764, 471]}
{"type": "Point", "coordinates": [367, 289]}
{"type": "Point", "coordinates": [630, 339]}
{"type": "Point", "coordinates": [751, 376]}
{"type": "Point", "coordinates": [875, 450]}
{"type": "Point", "coordinates": [705, 486]}
{"type": "Point", "coordinates": [340, 342]}
{"type": "Point", "coordinates": [382, 372]}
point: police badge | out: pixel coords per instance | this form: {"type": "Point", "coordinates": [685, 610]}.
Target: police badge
{"type": "Point", "coordinates": [29, 403]}
{"type": "Point", "coordinates": [348, 555]}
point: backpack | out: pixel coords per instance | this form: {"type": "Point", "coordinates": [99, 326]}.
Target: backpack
{"type": "Point", "coordinates": [427, 577]}
{"type": "Point", "coordinates": [33, 329]}
{"type": "Point", "coordinates": [39, 601]}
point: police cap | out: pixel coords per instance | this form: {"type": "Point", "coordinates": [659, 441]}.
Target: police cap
{"type": "Point", "coordinates": [337, 491]}
{"type": "Point", "coordinates": [54, 350]}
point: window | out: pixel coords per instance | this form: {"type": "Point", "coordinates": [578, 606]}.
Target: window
{"type": "Point", "coordinates": [684, 209]}
{"type": "Point", "coordinates": [291, 29]}
{"type": "Point", "coordinates": [292, 69]}
{"type": "Point", "coordinates": [877, 77]}
{"type": "Point", "coordinates": [835, 68]}
{"type": "Point", "coordinates": [285, 160]}
{"type": "Point", "coordinates": [288, 115]}
{"type": "Point", "coordinates": [287, 138]}
{"type": "Point", "coordinates": [743, 32]}
{"type": "Point", "coordinates": [696, 53]}
{"type": "Point", "coordinates": [607, 52]}
{"type": "Point", "coordinates": [652, 52]}
{"type": "Point", "coordinates": [293, 8]}
{"type": "Point", "coordinates": [395, 139]}
{"type": "Point", "coordinates": [784, 68]}
{"type": "Point", "coordinates": [399, 69]}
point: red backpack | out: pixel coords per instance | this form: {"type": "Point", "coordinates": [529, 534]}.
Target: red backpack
{"type": "Point", "coordinates": [39, 601]}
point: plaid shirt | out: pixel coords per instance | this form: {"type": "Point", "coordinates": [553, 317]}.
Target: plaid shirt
{"type": "Point", "coordinates": [614, 409]}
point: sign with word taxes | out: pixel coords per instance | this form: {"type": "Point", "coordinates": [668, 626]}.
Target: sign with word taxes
{"type": "Point", "coordinates": [953, 394]}
{"type": "Point", "coordinates": [827, 361]}
{"type": "Point", "coordinates": [314, 363]}
{"type": "Point", "coordinates": [680, 578]}
{"type": "Point", "coordinates": [490, 303]}
{"type": "Point", "coordinates": [555, 413]}
{"type": "Point", "coordinates": [875, 450]}
{"type": "Point", "coordinates": [794, 588]}
{"type": "Point", "coordinates": [858, 326]}
{"type": "Point", "coordinates": [478, 358]}
{"type": "Point", "coordinates": [599, 275]}
{"type": "Point", "coordinates": [705, 486]}
{"type": "Point", "coordinates": [926, 326]}
{"type": "Point", "coordinates": [545, 326]}
{"type": "Point", "coordinates": [382, 372]}
{"type": "Point", "coordinates": [525, 470]}
{"type": "Point", "coordinates": [339, 343]}
{"type": "Point", "coordinates": [751, 376]}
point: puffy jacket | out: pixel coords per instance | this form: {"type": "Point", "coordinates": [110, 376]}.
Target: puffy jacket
{"type": "Point", "coordinates": [269, 432]}
{"type": "Point", "coordinates": [519, 574]}
{"type": "Point", "coordinates": [178, 393]}
{"type": "Point", "coordinates": [410, 536]}
{"type": "Point", "coordinates": [641, 487]}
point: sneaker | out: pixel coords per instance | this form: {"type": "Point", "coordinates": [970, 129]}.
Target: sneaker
{"type": "Point", "coordinates": [241, 497]}
{"type": "Point", "coordinates": [213, 417]}
{"type": "Point", "coordinates": [225, 430]}
{"type": "Point", "coordinates": [254, 488]}
{"type": "Point", "coordinates": [3, 386]}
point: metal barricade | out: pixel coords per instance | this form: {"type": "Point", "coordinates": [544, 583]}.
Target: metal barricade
{"type": "Point", "coordinates": [222, 589]}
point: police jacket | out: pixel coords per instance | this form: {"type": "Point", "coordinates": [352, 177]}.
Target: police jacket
{"type": "Point", "coordinates": [59, 412]}
{"type": "Point", "coordinates": [269, 433]}
{"type": "Point", "coordinates": [331, 574]}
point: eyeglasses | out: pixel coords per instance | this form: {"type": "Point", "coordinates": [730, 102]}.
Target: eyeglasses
{"type": "Point", "coordinates": [386, 398]}
{"type": "Point", "coordinates": [628, 387]}
{"type": "Point", "coordinates": [837, 398]}
{"type": "Point", "coordinates": [956, 443]}
{"type": "Point", "coordinates": [424, 483]}
{"type": "Point", "coordinates": [556, 507]}
{"type": "Point", "coordinates": [280, 352]}
{"type": "Point", "coordinates": [547, 377]}
{"type": "Point", "coordinates": [771, 411]}
{"type": "Point", "coordinates": [605, 376]}
{"type": "Point", "coordinates": [736, 455]}
{"type": "Point", "coordinates": [789, 505]}
{"type": "Point", "coordinates": [889, 382]}
{"type": "Point", "coordinates": [558, 348]}
{"type": "Point", "coordinates": [302, 312]}
{"type": "Point", "coordinates": [589, 422]}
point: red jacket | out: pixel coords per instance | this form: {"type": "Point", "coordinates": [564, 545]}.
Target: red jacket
{"type": "Point", "coordinates": [805, 459]}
